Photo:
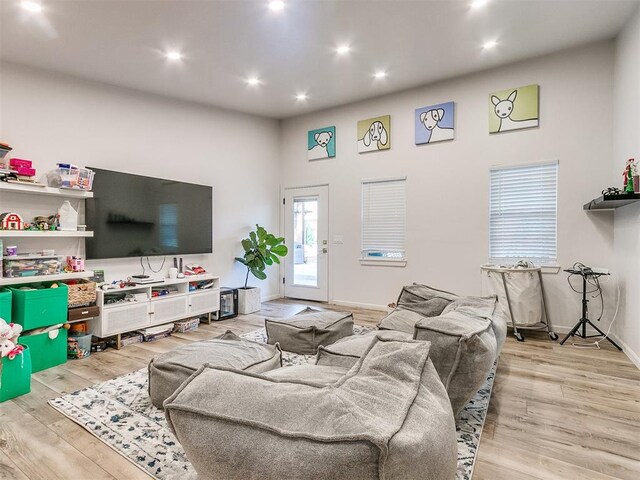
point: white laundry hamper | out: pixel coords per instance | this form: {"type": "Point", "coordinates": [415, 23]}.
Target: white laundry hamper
{"type": "Point", "coordinates": [520, 295]}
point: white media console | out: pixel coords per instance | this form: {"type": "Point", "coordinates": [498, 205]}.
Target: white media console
{"type": "Point", "coordinates": [117, 316]}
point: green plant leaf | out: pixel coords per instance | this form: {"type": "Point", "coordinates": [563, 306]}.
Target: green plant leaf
{"type": "Point", "coordinates": [268, 261]}
{"type": "Point", "coordinates": [246, 244]}
{"type": "Point", "coordinates": [253, 237]}
{"type": "Point", "coordinates": [259, 274]}
{"type": "Point", "coordinates": [262, 233]}
{"type": "Point", "coordinates": [280, 250]}
{"type": "Point", "coordinates": [241, 260]}
{"type": "Point", "coordinates": [275, 259]}
{"type": "Point", "coordinates": [271, 240]}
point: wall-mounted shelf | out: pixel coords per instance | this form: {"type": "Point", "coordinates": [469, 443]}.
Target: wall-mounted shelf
{"type": "Point", "coordinates": [35, 190]}
{"type": "Point", "coordinates": [45, 278]}
{"type": "Point", "coordinates": [42, 234]}
{"type": "Point", "coordinates": [610, 202]}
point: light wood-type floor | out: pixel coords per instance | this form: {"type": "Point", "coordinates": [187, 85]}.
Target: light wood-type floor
{"type": "Point", "coordinates": [555, 413]}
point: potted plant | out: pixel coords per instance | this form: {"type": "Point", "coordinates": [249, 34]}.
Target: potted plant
{"type": "Point", "coordinates": [261, 249]}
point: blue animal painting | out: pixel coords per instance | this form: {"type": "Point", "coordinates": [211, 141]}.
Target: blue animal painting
{"type": "Point", "coordinates": [435, 123]}
{"type": "Point", "coordinates": [321, 143]}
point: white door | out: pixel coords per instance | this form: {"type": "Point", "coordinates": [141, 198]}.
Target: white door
{"type": "Point", "coordinates": [306, 231]}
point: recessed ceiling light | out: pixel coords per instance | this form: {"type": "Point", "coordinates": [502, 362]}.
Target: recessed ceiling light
{"type": "Point", "coordinates": [380, 74]}
{"type": "Point", "coordinates": [489, 44]}
{"type": "Point", "coordinates": [31, 6]}
{"type": "Point", "coordinates": [276, 5]}
{"type": "Point", "coordinates": [343, 49]}
{"type": "Point", "coordinates": [479, 3]}
{"type": "Point", "coordinates": [253, 81]}
{"type": "Point", "coordinates": [302, 97]}
{"type": "Point", "coordinates": [173, 55]}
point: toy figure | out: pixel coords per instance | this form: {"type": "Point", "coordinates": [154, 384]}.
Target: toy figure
{"type": "Point", "coordinates": [629, 171]}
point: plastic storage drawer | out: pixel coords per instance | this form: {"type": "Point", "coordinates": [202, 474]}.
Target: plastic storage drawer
{"type": "Point", "coordinates": [5, 304]}
{"type": "Point", "coordinates": [46, 352]}
{"type": "Point", "coordinates": [15, 377]}
{"type": "Point", "coordinates": [40, 307]}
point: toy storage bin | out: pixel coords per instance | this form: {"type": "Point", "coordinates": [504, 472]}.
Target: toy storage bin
{"type": "Point", "coordinates": [15, 375]}
{"type": "Point", "coordinates": [5, 304]}
{"type": "Point", "coordinates": [40, 307]}
{"type": "Point", "coordinates": [82, 293]}
{"type": "Point", "coordinates": [75, 178]}
{"type": "Point", "coordinates": [29, 265]}
{"type": "Point", "coordinates": [78, 345]}
{"type": "Point", "coordinates": [46, 352]}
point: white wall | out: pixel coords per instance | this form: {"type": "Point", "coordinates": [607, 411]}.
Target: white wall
{"type": "Point", "coordinates": [626, 144]}
{"type": "Point", "coordinates": [447, 234]}
{"type": "Point", "coordinates": [51, 118]}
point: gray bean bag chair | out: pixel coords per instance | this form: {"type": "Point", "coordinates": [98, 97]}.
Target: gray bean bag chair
{"type": "Point", "coordinates": [425, 300]}
{"type": "Point", "coordinates": [483, 307]}
{"type": "Point", "coordinates": [169, 370]}
{"type": "Point", "coordinates": [463, 351]}
{"type": "Point", "coordinates": [388, 418]}
{"type": "Point", "coordinates": [346, 352]}
{"type": "Point", "coordinates": [305, 332]}
{"type": "Point", "coordinates": [318, 374]}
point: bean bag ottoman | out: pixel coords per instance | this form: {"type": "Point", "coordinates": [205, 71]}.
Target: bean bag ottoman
{"type": "Point", "coordinates": [388, 417]}
{"type": "Point", "coordinates": [346, 352]}
{"type": "Point", "coordinates": [305, 332]}
{"type": "Point", "coordinates": [401, 320]}
{"type": "Point", "coordinates": [463, 351]}
{"type": "Point", "coordinates": [169, 370]}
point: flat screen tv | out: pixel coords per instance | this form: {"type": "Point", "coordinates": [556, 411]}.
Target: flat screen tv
{"type": "Point", "coordinates": [137, 216]}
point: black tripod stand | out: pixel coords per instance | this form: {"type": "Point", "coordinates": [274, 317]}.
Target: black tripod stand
{"type": "Point", "coordinates": [584, 319]}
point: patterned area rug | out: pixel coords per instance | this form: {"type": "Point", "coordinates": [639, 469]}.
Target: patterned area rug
{"type": "Point", "coordinates": [120, 414]}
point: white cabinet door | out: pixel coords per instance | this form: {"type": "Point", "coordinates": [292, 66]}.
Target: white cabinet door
{"type": "Point", "coordinates": [204, 302]}
{"type": "Point", "coordinates": [124, 318]}
{"type": "Point", "coordinates": [169, 309]}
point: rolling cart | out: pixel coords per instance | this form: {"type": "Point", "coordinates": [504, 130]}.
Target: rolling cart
{"type": "Point", "coordinates": [521, 295]}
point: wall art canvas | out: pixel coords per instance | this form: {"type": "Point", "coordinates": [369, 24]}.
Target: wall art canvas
{"type": "Point", "coordinates": [514, 109]}
{"type": "Point", "coordinates": [374, 134]}
{"type": "Point", "coordinates": [321, 143]}
{"type": "Point", "coordinates": [435, 123]}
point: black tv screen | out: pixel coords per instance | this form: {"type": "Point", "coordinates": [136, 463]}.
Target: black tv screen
{"type": "Point", "coordinates": [137, 216]}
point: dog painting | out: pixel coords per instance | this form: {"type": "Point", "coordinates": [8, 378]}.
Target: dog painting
{"type": "Point", "coordinates": [321, 143]}
{"type": "Point", "coordinates": [374, 134]}
{"type": "Point", "coordinates": [435, 123]}
{"type": "Point", "coordinates": [514, 109]}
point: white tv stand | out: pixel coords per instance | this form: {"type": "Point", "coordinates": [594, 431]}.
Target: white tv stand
{"type": "Point", "coordinates": [148, 311]}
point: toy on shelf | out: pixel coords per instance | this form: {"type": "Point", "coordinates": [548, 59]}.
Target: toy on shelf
{"type": "Point", "coordinates": [71, 177]}
{"type": "Point", "coordinates": [11, 221]}
{"type": "Point", "coordinates": [4, 149]}
{"type": "Point", "coordinates": [74, 264]}
{"type": "Point", "coordinates": [44, 223]}
{"type": "Point", "coordinates": [630, 170]}
{"type": "Point", "coordinates": [9, 333]}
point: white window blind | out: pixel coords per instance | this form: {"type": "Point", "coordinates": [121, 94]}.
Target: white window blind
{"type": "Point", "coordinates": [523, 214]}
{"type": "Point", "coordinates": [384, 206]}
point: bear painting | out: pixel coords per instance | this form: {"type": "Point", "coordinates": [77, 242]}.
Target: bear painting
{"type": "Point", "coordinates": [321, 143]}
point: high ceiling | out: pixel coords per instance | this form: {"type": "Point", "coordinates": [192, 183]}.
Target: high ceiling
{"type": "Point", "coordinates": [292, 51]}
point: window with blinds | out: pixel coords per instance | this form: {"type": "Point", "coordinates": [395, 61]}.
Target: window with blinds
{"type": "Point", "coordinates": [523, 212]}
{"type": "Point", "coordinates": [384, 205]}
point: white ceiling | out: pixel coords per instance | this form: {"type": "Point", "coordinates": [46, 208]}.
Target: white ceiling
{"type": "Point", "coordinates": [224, 42]}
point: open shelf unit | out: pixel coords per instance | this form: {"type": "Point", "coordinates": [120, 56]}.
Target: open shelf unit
{"type": "Point", "coordinates": [45, 278]}
{"type": "Point", "coordinates": [35, 190]}
{"type": "Point", "coordinates": [610, 202]}
{"type": "Point", "coordinates": [44, 233]}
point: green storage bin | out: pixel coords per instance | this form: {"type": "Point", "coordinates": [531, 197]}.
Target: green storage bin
{"type": "Point", "coordinates": [5, 304]}
{"type": "Point", "coordinates": [15, 377]}
{"type": "Point", "coordinates": [41, 307]}
{"type": "Point", "coordinates": [45, 352]}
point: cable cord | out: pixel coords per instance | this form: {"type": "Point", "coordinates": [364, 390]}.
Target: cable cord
{"type": "Point", "coordinates": [142, 265]}
{"type": "Point", "coordinates": [164, 259]}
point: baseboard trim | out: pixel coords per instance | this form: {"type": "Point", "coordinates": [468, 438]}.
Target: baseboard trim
{"type": "Point", "coordinates": [633, 356]}
{"type": "Point", "coordinates": [368, 306]}
{"type": "Point", "coordinates": [271, 297]}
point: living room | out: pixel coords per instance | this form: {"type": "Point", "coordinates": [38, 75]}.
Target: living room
{"type": "Point", "coordinates": [235, 95]}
